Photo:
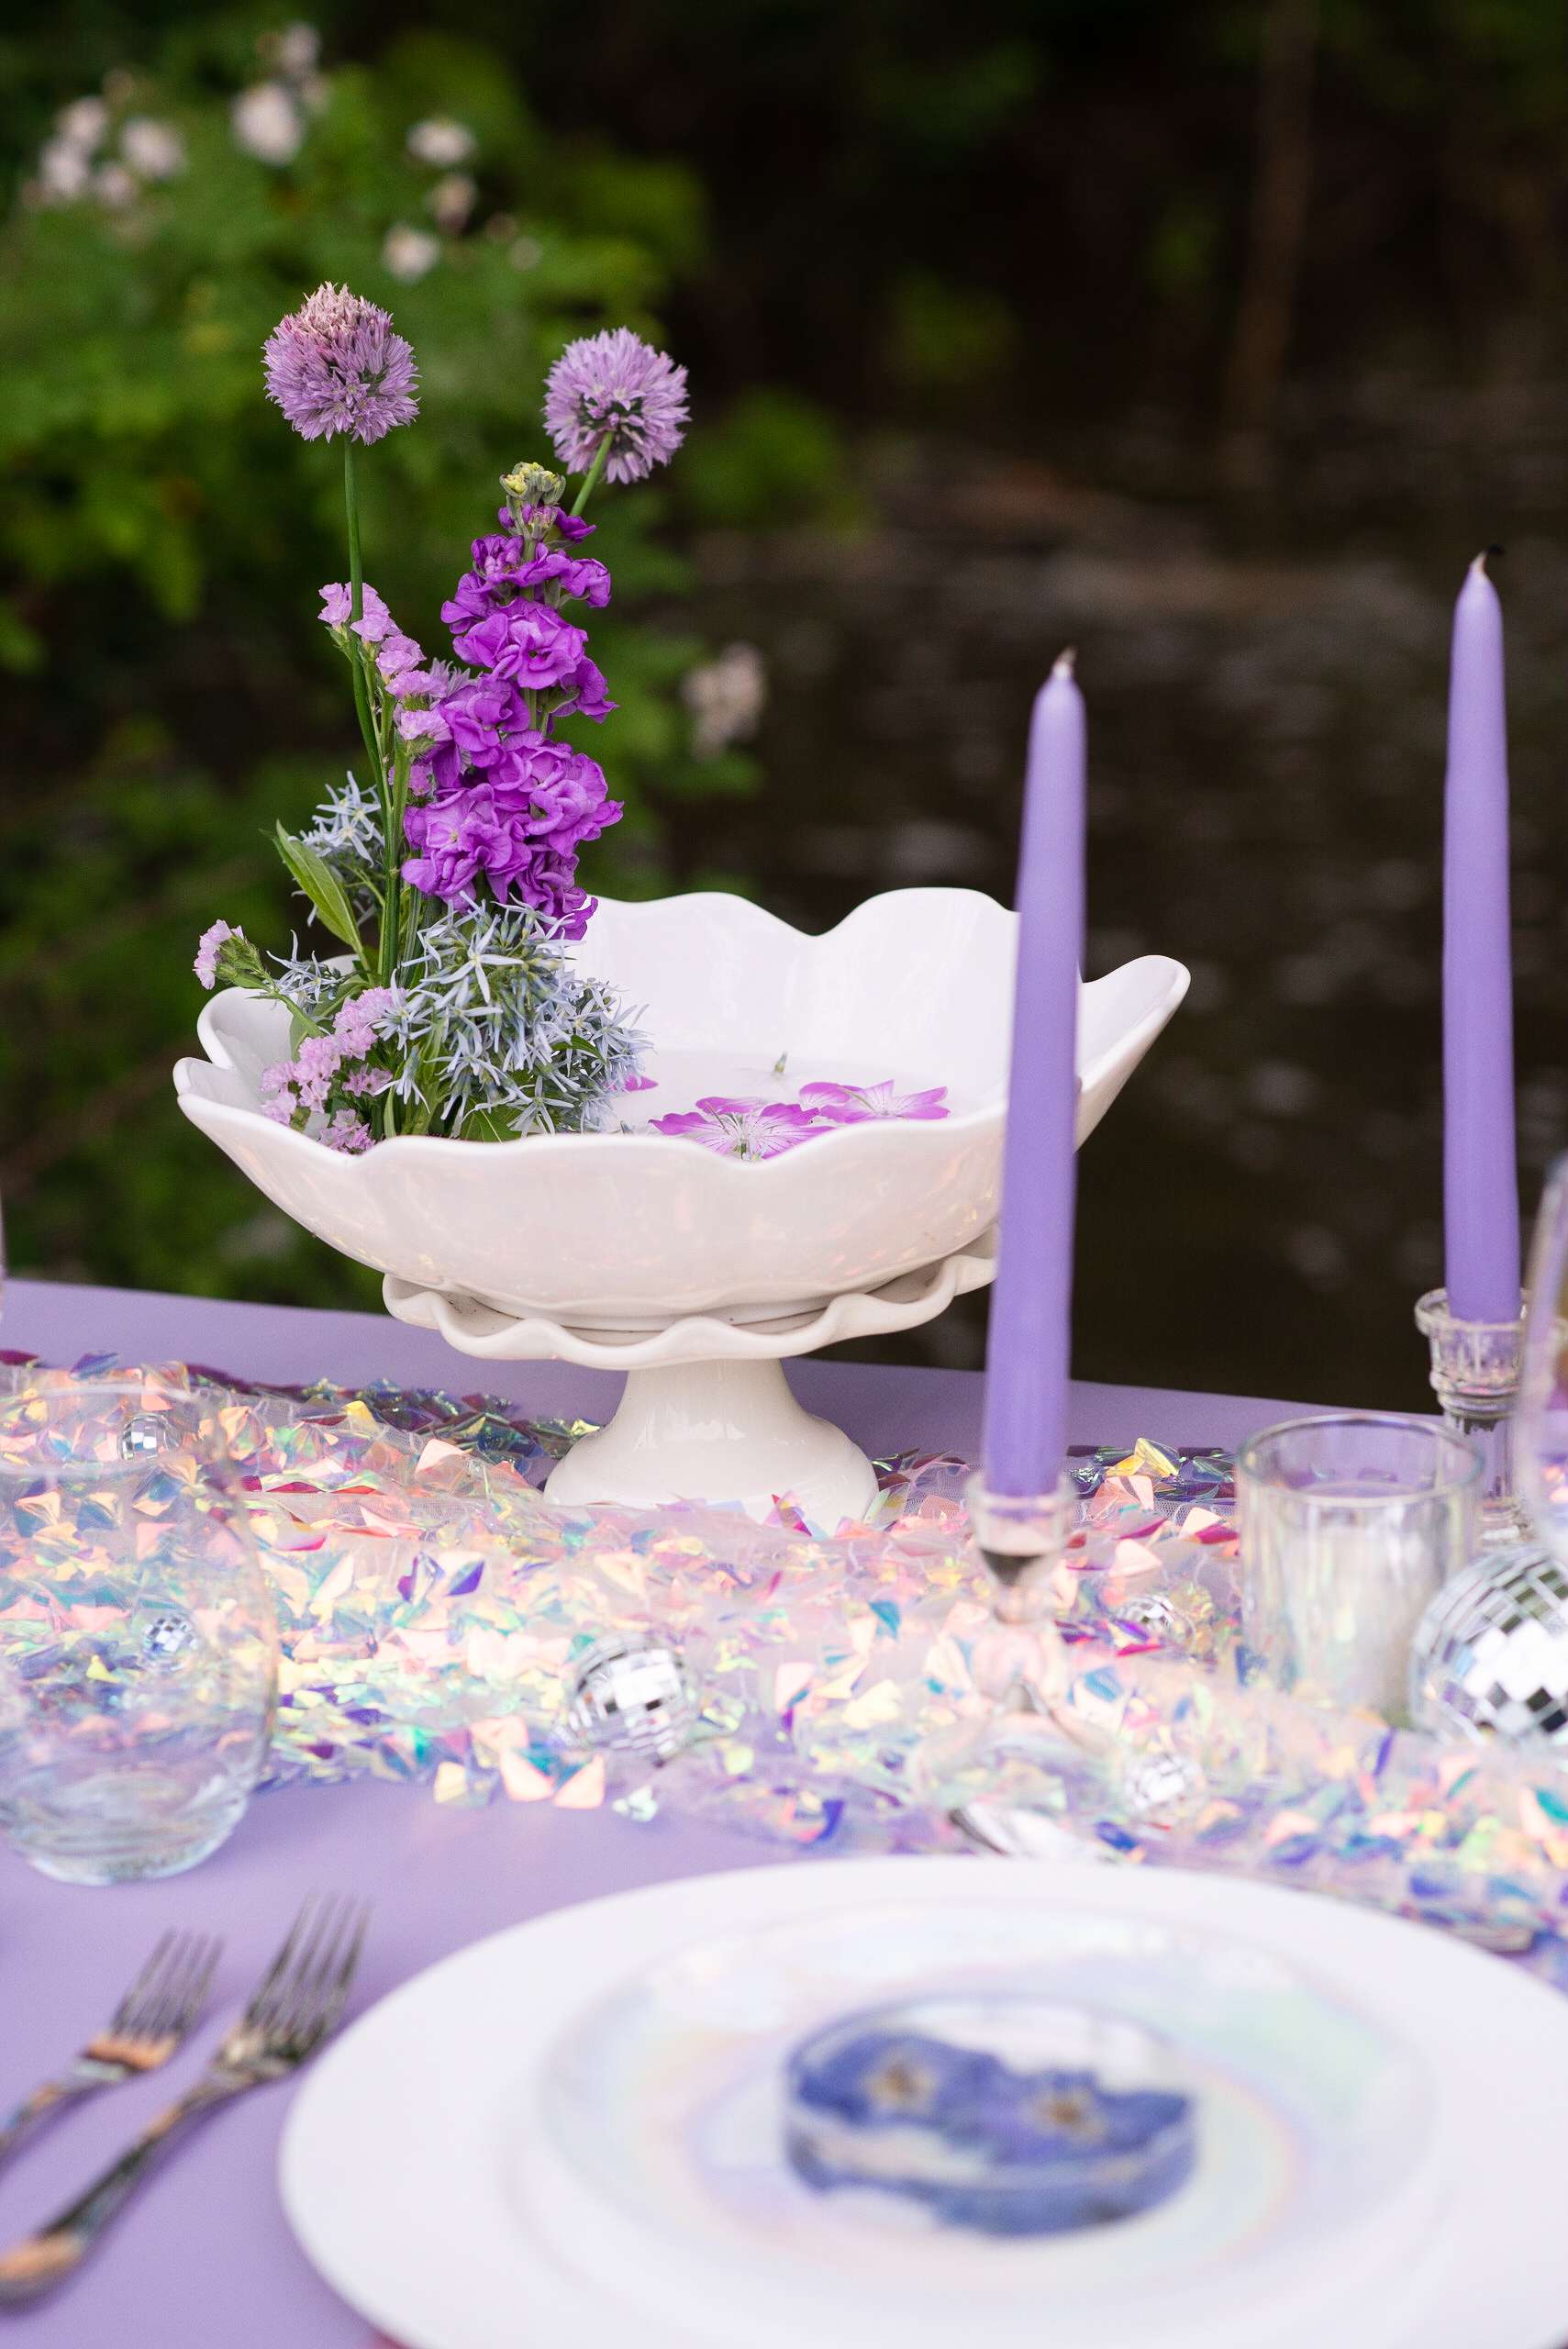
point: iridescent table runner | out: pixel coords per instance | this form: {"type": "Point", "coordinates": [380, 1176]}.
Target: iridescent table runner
{"type": "Point", "coordinates": [431, 1605]}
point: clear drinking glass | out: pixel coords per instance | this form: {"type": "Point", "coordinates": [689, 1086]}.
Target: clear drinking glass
{"type": "Point", "coordinates": [1350, 1522]}
{"type": "Point", "coordinates": [138, 1646]}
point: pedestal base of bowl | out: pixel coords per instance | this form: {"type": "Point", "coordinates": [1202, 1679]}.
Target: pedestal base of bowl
{"type": "Point", "coordinates": [680, 1431]}
{"type": "Point", "coordinates": [708, 1414]}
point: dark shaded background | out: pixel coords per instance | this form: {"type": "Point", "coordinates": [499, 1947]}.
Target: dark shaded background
{"type": "Point", "coordinates": [1213, 338]}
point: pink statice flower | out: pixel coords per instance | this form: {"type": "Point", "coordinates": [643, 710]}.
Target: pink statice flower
{"type": "Point", "coordinates": [337, 364]}
{"type": "Point", "coordinates": [359, 1022]}
{"type": "Point", "coordinates": [348, 1132]}
{"type": "Point", "coordinates": [276, 1094]}
{"type": "Point", "coordinates": [853, 1104]}
{"type": "Point", "coordinates": [615, 388]}
{"type": "Point", "coordinates": [207, 945]}
{"type": "Point", "coordinates": [741, 1128]}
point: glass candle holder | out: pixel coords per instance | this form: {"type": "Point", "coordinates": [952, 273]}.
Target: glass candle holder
{"type": "Point", "coordinates": [1019, 1540]}
{"type": "Point", "coordinates": [1475, 1377]}
{"type": "Point", "coordinates": [1350, 1522]}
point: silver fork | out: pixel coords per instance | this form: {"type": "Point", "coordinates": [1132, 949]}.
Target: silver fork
{"type": "Point", "coordinates": [292, 2010]}
{"type": "Point", "coordinates": [159, 2010]}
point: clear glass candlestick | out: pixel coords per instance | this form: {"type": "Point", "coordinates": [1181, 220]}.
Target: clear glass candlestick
{"type": "Point", "coordinates": [1475, 1377]}
{"type": "Point", "coordinates": [1019, 1660]}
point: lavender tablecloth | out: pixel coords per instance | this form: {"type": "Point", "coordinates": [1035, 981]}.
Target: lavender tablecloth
{"type": "Point", "coordinates": [205, 2262]}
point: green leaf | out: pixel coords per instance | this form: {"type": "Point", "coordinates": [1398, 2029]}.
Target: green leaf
{"type": "Point", "coordinates": [321, 886]}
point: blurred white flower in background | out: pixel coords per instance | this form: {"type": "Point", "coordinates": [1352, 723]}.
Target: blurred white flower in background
{"type": "Point", "coordinates": [83, 123]}
{"type": "Point", "coordinates": [726, 697]}
{"type": "Point", "coordinates": [410, 253]}
{"type": "Point", "coordinates": [154, 150]}
{"type": "Point", "coordinates": [114, 187]}
{"type": "Point", "coordinates": [441, 142]}
{"type": "Point", "coordinates": [451, 200]}
{"type": "Point", "coordinates": [267, 122]}
{"type": "Point", "coordinates": [64, 171]}
{"type": "Point", "coordinates": [295, 51]}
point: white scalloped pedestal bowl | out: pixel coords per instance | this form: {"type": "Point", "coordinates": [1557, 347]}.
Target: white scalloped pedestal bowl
{"type": "Point", "coordinates": [627, 1231]}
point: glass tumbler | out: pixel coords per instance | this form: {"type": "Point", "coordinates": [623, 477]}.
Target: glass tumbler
{"type": "Point", "coordinates": [137, 1645]}
{"type": "Point", "coordinates": [1349, 1522]}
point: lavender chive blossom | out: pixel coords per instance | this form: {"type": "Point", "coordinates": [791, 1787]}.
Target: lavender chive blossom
{"type": "Point", "coordinates": [615, 388]}
{"type": "Point", "coordinates": [337, 364]}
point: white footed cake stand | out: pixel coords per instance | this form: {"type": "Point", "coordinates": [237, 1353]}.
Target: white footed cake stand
{"type": "Point", "coordinates": [698, 1273]}
{"type": "Point", "coordinates": [708, 1411]}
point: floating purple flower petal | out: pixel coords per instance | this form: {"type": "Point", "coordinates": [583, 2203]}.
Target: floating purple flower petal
{"type": "Point", "coordinates": [337, 364]}
{"type": "Point", "coordinates": [853, 1104]}
{"type": "Point", "coordinates": [741, 1128]}
{"type": "Point", "coordinates": [617, 388]}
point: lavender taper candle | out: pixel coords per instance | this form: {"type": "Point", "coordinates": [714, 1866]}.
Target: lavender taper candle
{"type": "Point", "coordinates": [1027, 1360]}
{"type": "Point", "coordinates": [1481, 1204]}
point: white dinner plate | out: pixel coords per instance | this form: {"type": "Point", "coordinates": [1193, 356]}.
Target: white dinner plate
{"type": "Point", "coordinates": [575, 2125]}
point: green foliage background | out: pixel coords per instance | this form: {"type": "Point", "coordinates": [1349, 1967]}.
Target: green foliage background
{"type": "Point", "coordinates": [163, 533]}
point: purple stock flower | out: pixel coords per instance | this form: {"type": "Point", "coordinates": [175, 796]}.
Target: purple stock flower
{"type": "Point", "coordinates": [518, 822]}
{"type": "Point", "coordinates": [336, 364]}
{"type": "Point", "coordinates": [741, 1128]}
{"type": "Point", "coordinates": [206, 963]}
{"type": "Point", "coordinates": [504, 565]}
{"type": "Point", "coordinates": [529, 641]}
{"type": "Point", "coordinates": [616, 387]}
{"type": "Point", "coordinates": [851, 1105]}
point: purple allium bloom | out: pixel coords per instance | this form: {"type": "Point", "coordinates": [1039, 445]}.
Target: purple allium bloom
{"type": "Point", "coordinates": [336, 364]}
{"type": "Point", "coordinates": [741, 1128]}
{"type": "Point", "coordinates": [618, 387]}
{"type": "Point", "coordinates": [206, 963]}
{"type": "Point", "coordinates": [853, 1104]}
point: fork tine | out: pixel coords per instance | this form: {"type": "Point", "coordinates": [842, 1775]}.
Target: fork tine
{"type": "Point", "coordinates": [124, 2014]}
{"type": "Point", "coordinates": [315, 1965]}
{"type": "Point", "coordinates": [186, 1994]}
{"type": "Point", "coordinates": [293, 1985]}
{"type": "Point", "coordinates": [152, 2017]}
{"type": "Point", "coordinates": [332, 1982]}
{"type": "Point", "coordinates": [260, 1997]}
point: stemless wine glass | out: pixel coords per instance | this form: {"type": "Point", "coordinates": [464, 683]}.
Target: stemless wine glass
{"type": "Point", "coordinates": [137, 1645]}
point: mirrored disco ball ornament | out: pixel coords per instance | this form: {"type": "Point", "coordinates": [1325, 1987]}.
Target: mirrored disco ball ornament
{"type": "Point", "coordinates": [631, 1692]}
{"type": "Point", "coordinates": [1490, 1655]}
{"type": "Point", "coordinates": [142, 1437]}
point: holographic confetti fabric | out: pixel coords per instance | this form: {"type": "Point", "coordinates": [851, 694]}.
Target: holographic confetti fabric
{"type": "Point", "coordinates": [434, 1609]}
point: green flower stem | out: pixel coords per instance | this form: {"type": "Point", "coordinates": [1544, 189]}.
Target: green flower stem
{"type": "Point", "coordinates": [590, 478]}
{"type": "Point", "coordinates": [391, 903]}
{"type": "Point", "coordinates": [357, 612]}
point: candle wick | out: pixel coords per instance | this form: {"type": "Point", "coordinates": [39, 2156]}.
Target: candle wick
{"type": "Point", "coordinates": [1064, 662]}
{"type": "Point", "coordinates": [1484, 557]}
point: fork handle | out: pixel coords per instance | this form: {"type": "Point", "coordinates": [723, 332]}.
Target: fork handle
{"type": "Point", "coordinates": [53, 2096]}
{"type": "Point", "coordinates": [42, 2260]}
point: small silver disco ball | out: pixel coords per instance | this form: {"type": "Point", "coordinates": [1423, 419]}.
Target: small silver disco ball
{"type": "Point", "coordinates": [631, 1691]}
{"type": "Point", "coordinates": [142, 1436]}
{"type": "Point", "coordinates": [1490, 1655]}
